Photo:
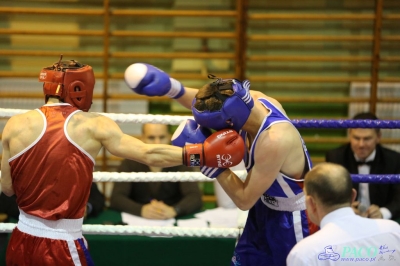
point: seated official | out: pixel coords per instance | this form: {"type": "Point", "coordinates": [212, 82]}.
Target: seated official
{"type": "Point", "coordinates": [364, 155]}
{"type": "Point", "coordinates": [155, 200]}
{"type": "Point", "coordinates": [344, 238]}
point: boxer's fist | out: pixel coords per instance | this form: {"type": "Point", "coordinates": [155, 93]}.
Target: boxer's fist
{"type": "Point", "coordinates": [148, 80]}
{"type": "Point", "coordinates": [223, 149]}
{"type": "Point", "coordinates": [189, 132]}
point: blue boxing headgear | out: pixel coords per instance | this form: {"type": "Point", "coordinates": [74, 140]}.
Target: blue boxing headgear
{"type": "Point", "coordinates": [236, 108]}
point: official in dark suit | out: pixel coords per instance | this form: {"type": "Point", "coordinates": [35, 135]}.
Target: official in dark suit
{"type": "Point", "coordinates": [155, 200]}
{"type": "Point", "coordinates": [364, 155]}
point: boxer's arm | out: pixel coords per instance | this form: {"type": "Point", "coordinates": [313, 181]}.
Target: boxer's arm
{"type": "Point", "coordinates": [6, 181]}
{"type": "Point", "coordinates": [108, 133]}
{"type": "Point", "coordinates": [186, 99]}
{"type": "Point", "coordinates": [269, 156]}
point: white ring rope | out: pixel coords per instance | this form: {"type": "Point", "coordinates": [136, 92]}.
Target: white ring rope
{"type": "Point", "coordinates": [6, 112]}
{"type": "Point", "coordinates": [156, 177]}
{"type": "Point", "coordinates": [122, 118]}
{"type": "Point", "coordinates": [95, 229]}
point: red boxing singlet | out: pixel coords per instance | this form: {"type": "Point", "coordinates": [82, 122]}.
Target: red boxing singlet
{"type": "Point", "coordinates": [52, 176]}
{"type": "Point", "coordinates": [51, 179]}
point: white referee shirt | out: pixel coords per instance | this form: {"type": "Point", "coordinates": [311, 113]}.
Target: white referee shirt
{"type": "Point", "coordinates": [348, 239]}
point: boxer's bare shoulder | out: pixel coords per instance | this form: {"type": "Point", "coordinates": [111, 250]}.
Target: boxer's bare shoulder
{"type": "Point", "coordinates": [26, 126]}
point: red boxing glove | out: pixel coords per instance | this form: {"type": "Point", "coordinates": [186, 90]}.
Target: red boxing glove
{"type": "Point", "coordinates": [223, 149]}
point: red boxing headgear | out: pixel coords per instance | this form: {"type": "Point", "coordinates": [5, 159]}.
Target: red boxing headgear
{"type": "Point", "coordinates": [71, 81]}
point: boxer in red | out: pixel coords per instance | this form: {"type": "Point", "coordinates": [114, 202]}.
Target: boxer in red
{"type": "Point", "coordinates": [48, 159]}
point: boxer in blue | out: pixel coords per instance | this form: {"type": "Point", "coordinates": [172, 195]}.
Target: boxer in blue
{"type": "Point", "coordinates": [276, 158]}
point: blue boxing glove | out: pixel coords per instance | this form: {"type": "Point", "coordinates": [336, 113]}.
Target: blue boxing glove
{"type": "Point", "coordinates": [189, 132]}
{"type": "Point", "coordinates": [211, 172]}
{"type": "Point", "coordinates": [149, 80]}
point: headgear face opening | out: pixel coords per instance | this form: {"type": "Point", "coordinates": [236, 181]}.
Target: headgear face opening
{"type": "Point", "coordinates": [236, 108]}
{"type": "Point", "coordinates": [71, 81]}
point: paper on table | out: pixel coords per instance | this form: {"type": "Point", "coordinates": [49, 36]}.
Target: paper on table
{"type": "Point", "coordinates": [220, 217]}
{"type": "Point", "coordinates": [139, 221]}
{"type": "Point", "coordinates": [194, 222]}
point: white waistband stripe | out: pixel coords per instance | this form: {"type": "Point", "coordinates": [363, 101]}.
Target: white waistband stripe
{"type": "Point", "coordinates": [64, 229]}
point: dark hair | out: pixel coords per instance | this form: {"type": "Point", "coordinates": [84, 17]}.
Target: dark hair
{"type": "Point", "coordinates": [330, 183]}
{"type": "Point", "coordinates": [367, 116]}
{"type": "Point", "coordinates": [212, 96]}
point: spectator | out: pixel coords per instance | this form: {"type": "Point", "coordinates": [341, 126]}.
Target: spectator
{"type": "Point", "coordinates": [344, 238]}
{"type": "Point", "coordinates": [374, 200]}
{"type": "Point", "coordinates": [155, 200]}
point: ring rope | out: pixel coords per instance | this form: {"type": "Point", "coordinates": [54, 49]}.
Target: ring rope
{"type": "Point", "coordinates": [345, 123]}
{"type": "Point", "coordinates": [376, 179]}
{"type": "Point", "coordinates": [199, 177]}
{"type": "Point", "coordinates": [96, 229]}
{"type": "Point", "coordinates": [156, 176]}
{"type": "Point", "coordinates": [177, 119]}
{"type": "Point", "coordinates": [122, 118]}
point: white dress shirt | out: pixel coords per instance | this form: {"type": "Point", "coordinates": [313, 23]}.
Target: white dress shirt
{"type": "Point", "coordinates": [348, 239]}
{"type": "Point", "coordinates": [363, 188]}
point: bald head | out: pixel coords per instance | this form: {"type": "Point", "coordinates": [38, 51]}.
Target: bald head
{"type": "Point", "coordinates": [330, 183]}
